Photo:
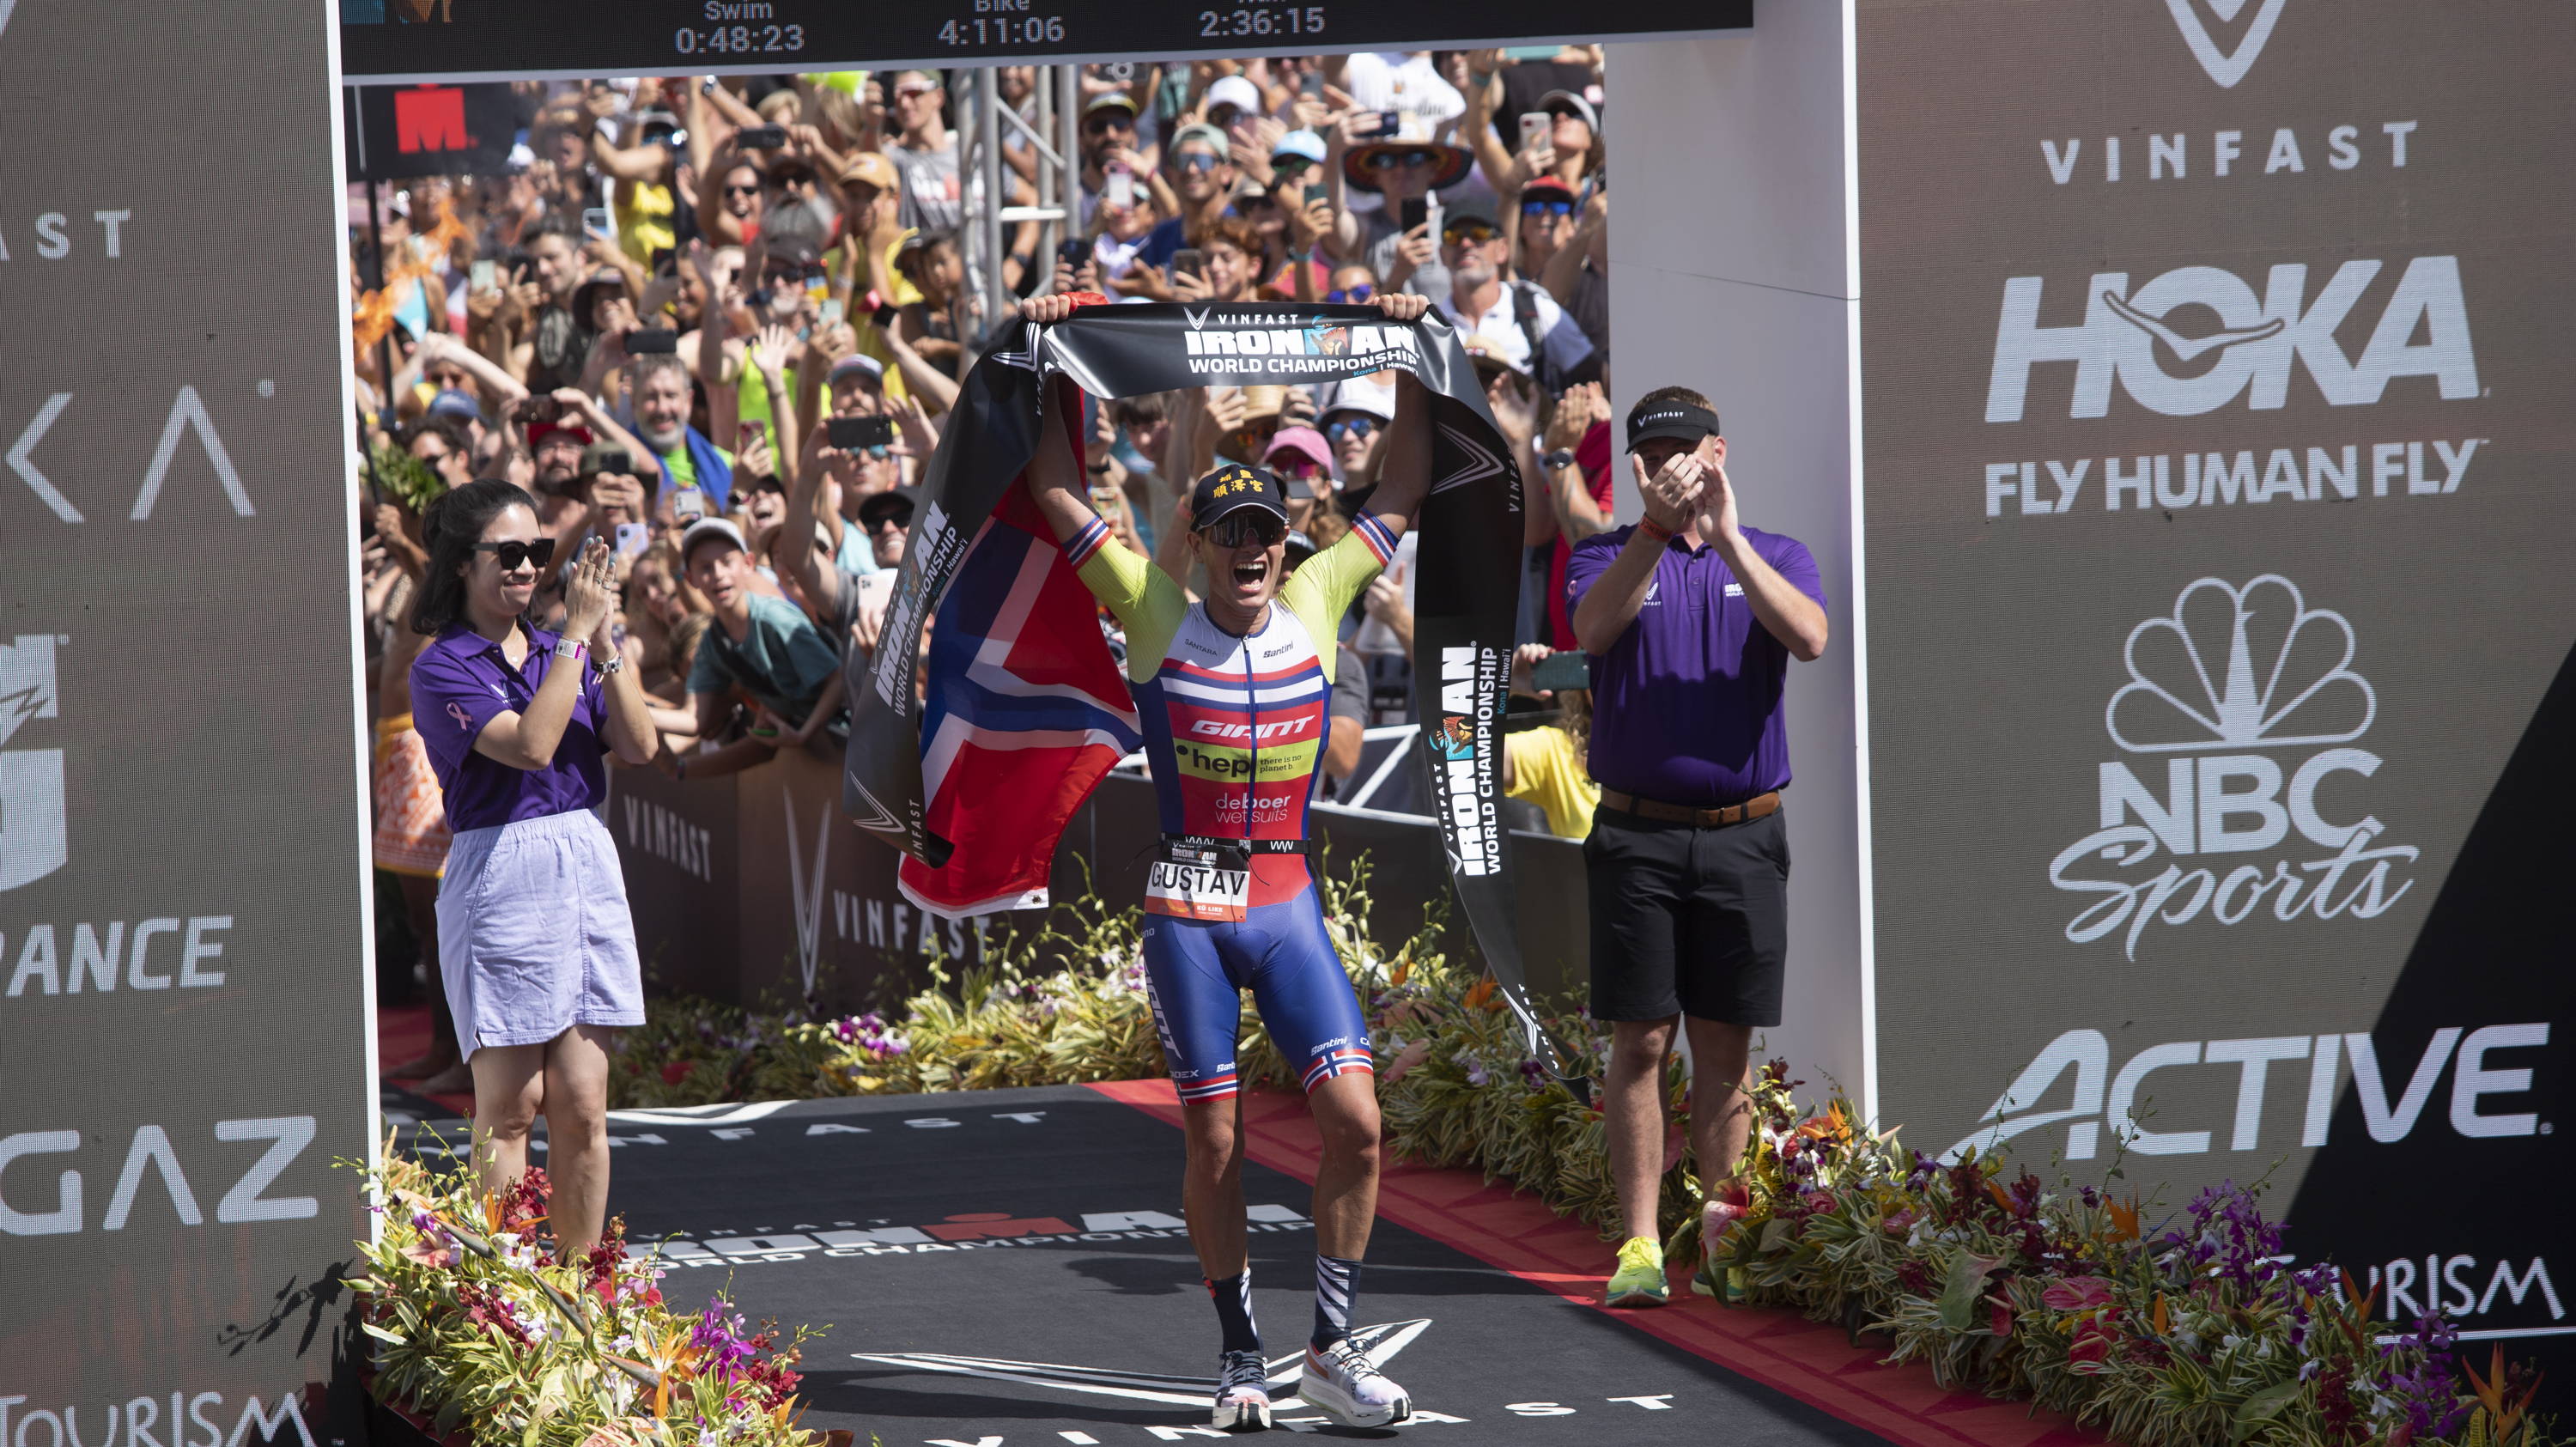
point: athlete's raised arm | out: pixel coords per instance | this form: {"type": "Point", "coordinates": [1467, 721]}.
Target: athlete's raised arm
{"type": "Point", "coordinates": [1404, 468]}
{"type": "Point", "coordinates": [1055, 473]}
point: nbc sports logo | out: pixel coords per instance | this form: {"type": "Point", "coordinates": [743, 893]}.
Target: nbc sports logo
{"type": "Point", "coordinates": [2229, 671]}
{"type": "Point", "coordinates": [33, 842]}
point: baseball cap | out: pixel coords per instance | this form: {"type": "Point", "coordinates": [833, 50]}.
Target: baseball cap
{"type": "Point", "coordinates": [857, 364]}
{"type": "Point", "coordinates": [871, 167]}
{"type": "Point", "coordinates": [1203, 133]}
{"type": "Point", "coordinates": [1300, 143]}
{"type": "Point", "coordinates": [1678, 420]}
{"type": "Point", "coordinates": [1232, 487]}
{"type": "Point", "coordinates": [705, 529]}
{"type": "Point", "coordinates": [456, 404]}
{"type": "Point", "coordinates": [1574, 103]}
{"type": "Point", "coordinates": [601, 457]}
{"type": "Point", "coordinates": [1547, 188]}
{"type": "Point", "coordinates": [1468, 208]}
{"type": "Point", "coordinates": [540, 432]}
{"type": "Point", "coordinates": [1363, 395]}
{"type": "Point", "coordinates": [876, 505]}
{"type": "Point", "coordinates": [1110, 100]}
{"type": "Point", "coordinates": [1304, 442]}
{"type": "Point", "coordinates": [795, 249]}
{"type": "Point", "coordinates": [1235, 91]}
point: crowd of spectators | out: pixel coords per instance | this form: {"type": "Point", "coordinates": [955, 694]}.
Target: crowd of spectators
{"type": "Point", "coordinates": [718, 324]}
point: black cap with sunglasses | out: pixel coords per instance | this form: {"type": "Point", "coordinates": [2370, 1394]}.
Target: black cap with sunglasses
{"type": "Point", "coordinates": [1245, 499]}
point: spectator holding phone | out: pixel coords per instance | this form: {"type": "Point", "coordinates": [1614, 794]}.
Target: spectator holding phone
{"type": "Point", "coordinates": [1397, 241]}
{"type": "Point", "coordinates": [1691, 619]}
{"type": "Point", "coordinates": [1546, 764]}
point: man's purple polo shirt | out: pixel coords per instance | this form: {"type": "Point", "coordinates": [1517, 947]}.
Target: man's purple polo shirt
{"type": "Point", "coordinates": [1686, 704]}
{"type": "Point", "coordinates": [460, 683]}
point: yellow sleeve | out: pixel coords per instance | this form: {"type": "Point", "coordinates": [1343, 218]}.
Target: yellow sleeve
{"type": "Point", "coordinates": [1144, 599]}
{"type": "Point", "coordinates": [1323, 587]}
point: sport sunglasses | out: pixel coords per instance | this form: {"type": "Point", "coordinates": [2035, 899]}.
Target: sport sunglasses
{"type": "Point", "coordinates": [1350, 426]}
{"type": "Point", "coordinates": [1342, 295]}
{"type": "Point", "coordinates": [1230, 530]}
{"type": "Point", "coordinates": [1390, 160]}
{"type": "Point", "coordinates": [512, 553]}
{"type": "Point", "coordinates": [1547, 208]}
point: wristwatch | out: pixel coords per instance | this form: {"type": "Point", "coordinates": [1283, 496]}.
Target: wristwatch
{"type": "Point", "coordinates": [1559, 460]}
{"type": "Point", "coordinates": [616, 664]}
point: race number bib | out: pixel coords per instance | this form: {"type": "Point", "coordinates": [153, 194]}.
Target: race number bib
{"type": "Point", "coordinates": [1199, 884]}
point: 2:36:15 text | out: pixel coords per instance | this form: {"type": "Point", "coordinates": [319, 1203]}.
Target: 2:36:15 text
{"type": "Point", "coordinates": [1292, 20]}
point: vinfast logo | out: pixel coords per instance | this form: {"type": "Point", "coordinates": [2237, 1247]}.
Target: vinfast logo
{"type": "Point", "coordinates": [33, 840]}
{"type": "Point", "coordinates": [2393, 1091]}
{"type": "Point", "coordinates": [2224, 66]}
{"type": "Point", "coordinates": [2196, 338]}
{"type": "Point", "coordinates": [2220, 688]}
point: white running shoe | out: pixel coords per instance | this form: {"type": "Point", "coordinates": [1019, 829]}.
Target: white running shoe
{"type": "Point", "coordinates": [1242, 1394]}
{"type": "Point", "coordinates": [1342, 1383]}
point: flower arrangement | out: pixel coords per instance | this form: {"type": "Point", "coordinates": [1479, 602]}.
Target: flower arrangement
{"type": "Point", "coordinates": [475, 1323]}
{"type": "Point", "coordinates": [2162, 1333]}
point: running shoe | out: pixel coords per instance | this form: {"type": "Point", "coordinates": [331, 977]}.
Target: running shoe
{"type": "Point", "coordinates": [1242, 1394]}
{"type": "Point", "coordinates": [1342, 1383]}
{"type": "Point", "coordinates": [1639, 1281]}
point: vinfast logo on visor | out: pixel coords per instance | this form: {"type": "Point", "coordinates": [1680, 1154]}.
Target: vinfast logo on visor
{"type": "Point", "coordinates": [2226, 67]}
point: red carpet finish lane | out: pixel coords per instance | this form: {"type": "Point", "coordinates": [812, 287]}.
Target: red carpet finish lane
{"type": "Point", "coordinates": [1515, 1232]}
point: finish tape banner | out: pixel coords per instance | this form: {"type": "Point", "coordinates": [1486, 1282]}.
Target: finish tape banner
{"type": "Point", "coordinates": [184, 1031]}
{"type": "Point", "coordinates": [1469, 552]}
{"type": "Point", "coordinates": [2218, 444]}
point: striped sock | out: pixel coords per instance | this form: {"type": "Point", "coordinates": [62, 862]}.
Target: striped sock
{"type": "Point", "coordinates": [1233, 1298]}
{"type": "Point", "coordinates": [1337, 1282]}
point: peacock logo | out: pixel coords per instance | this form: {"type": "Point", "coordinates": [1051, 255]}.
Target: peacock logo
{"type": "Point", "coordinates": [2240, 668]}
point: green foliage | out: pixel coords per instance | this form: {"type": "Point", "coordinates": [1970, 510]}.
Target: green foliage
{"type": "Point", "coordinates": [405, 479]}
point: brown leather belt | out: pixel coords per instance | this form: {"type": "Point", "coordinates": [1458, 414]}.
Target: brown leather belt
{"type": "Point", "coordinates": [1758, 807]}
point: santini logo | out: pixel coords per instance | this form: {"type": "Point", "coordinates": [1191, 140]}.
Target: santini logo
{"type": "Point", "coordinates": [33, 843]}
{"type": "Point", "coordinates": [2101, 1097]}
{"type": "Point", "coordinates": [2153, 337]}
{"type": "Point", "coordinates": [2231, 670]}
{"type": "Point", "coordinates": [2225, 66]}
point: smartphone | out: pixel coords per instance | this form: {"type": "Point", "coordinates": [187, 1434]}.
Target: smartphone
{"type": "Point", "coordinates": [651, 339]}
{"type": "Point", "coordinates": [1121, 190]}
{"type": "Point", "coordinates": [752, 426]}
{"type": "Point", "coordinates": [1389, 122]}
{"type": "Point", "coordinates": [688, 505]}
{"type": "Point", "coordinates": [830, 311]}
{"type": "Point", "coordinates": [1191, 260]}
{"type": "Point", "coordinates": [1536, 127]}
{"type": "Point", "coordinates": [1314, 192]}
{"type": "Point", "coordinates": [761, 138]}
{"type": "Point", "coordinates": [620, 464]}
{"type": "Point", "coordinates": [1312, 84]}
{"type": "Point", "coordinates": [818, 287]}
{"type": "Point", "coordinates": [1411, 212]}
{"type": "Point", "coordinates": [632, 539]}
{"type": "Point", "coordinates": [1433, 214]}
{"type": "Point", "coordinates": [1072, 253]}
{"type": "Point", "coordinates": [595, 223]}
{"type": "Point", "coordinates": [483, 276]}
{"type": "Point", "coordinates": [1570, 669]}
{"type": "Point", "coordinates": [852, 433]}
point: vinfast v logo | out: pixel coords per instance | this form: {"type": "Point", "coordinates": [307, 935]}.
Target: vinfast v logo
{"type": "Point", "coordinates": [2217, 690]}
{"type": "Point", "coordinates": [2225, 66]}
{"type": "Point", "coordinates": [33, 841]}
{"type": "Point", "coordinates": [2197, 338]}
{"type": "Point", "coordinates": [2393, 1092]}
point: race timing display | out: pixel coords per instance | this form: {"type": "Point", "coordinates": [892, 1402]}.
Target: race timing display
{"type": "Point", "coordinates": [389, 40]}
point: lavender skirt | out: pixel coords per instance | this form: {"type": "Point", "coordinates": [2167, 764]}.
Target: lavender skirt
{"type": "Point", "coordinates": [534, 936]}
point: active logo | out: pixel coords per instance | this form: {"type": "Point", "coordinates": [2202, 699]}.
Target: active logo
{"type": "Point", "coordinates": [2226, 67]}
{"type": "Point", "coordinates": [2154, 339]}
{"type": "Point", "coordinates": [2393, 1093]}
{"type": "Point", "coordinates": [33, 840]}
{"type": "Point", "coordinates": [2229, 672]}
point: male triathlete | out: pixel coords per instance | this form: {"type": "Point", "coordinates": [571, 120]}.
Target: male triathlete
{"type": "Point", "coordinates": [1232, 692]}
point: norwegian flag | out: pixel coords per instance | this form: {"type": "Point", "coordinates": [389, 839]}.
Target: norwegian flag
{"type": "Point", "coordinates": [1025, 712]}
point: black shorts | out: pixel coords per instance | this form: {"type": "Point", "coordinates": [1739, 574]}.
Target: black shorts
{"type": "Point", "coordinates": [1688, 921]}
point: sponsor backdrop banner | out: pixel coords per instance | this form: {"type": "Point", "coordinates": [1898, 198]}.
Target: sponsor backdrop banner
{"type": "Point", "coordinates": [2217, 435]}
{"type": "Point", "coordinates": [183, 952]}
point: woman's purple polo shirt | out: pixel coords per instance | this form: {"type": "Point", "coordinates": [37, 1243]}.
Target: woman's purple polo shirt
{"type": "Point", "coordinates": [458, 684]}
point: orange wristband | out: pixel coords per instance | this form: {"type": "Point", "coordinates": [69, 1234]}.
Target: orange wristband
{"type": "Point", "coordinates": [1654, 529]}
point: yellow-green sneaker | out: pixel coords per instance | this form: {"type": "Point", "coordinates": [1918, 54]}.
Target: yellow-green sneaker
{"type": "Point", "coordinates": [1639, 1281]}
